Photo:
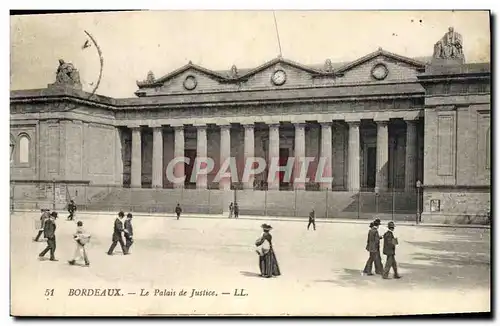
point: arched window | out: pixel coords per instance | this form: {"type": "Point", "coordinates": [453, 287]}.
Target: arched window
{"type": "Point", "coordinates": [24, 149]}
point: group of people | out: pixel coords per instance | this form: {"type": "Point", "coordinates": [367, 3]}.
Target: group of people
{"type": "Point", "coordinates": [48, 226]}
{"type": "Point", "coordinates": [122, 229]}
{"type": "Point", "coordinates": [389, 250]}
{"type": "Point", "coordinates": [234, 209]}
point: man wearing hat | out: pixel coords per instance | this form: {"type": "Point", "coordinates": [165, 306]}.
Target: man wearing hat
{"type": "Point", "coordinates": [117, 235]}
{"type": "Point", "coordinates": [373, 247]}
{"type": "Point", "coordinates": [390, 242]}
{"type": "Point", "coordinates": [312, 217]}
{"type": "Point", "coordinates": [129, 232]}
{"type": "Point", "coordinates": [44, 217]}
{"type": "Point", "coordinates": [49, 232]}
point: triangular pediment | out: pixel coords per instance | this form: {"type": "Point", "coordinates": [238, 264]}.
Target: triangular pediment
{"type": "Point", "coordinates": [381, 54]}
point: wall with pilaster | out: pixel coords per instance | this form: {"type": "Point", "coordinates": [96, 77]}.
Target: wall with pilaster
{"type": "Point", "coordinates": [25, 171]}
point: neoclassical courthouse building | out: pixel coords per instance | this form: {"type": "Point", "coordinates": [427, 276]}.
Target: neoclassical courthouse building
{"type": "Point", "coordinates": [387, 123]}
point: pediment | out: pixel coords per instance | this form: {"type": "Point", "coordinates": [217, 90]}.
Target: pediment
{"type": "Point", "coordinates": [379, 66]}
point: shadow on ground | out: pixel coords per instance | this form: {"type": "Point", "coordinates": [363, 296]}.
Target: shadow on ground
{"type": "Point", "coordinates": [457, 261]}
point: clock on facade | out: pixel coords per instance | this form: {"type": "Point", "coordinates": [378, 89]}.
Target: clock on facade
{"type": "Point", "coordinates": [190, 83]}
{"type": "Point", "coordinates": [379, 71]}
{"type": "Point", "coordinates": [279, 77]}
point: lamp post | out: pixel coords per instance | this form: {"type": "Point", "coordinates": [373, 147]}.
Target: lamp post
{"type": "Point", "coordinates": [419, 185]}
{"type": "Point", "coordinates": [377, 192]}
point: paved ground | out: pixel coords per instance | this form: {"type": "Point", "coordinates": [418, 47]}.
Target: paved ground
{"type": "Point", "coordinates": [444, 269]}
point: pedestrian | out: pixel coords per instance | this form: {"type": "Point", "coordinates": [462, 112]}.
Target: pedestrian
{"type": "Point", "coordinates": [236, 210]}
{"type": "Point", "coordinates": [49, 232]}
{"type": "Point", "coordinates": [178, 210]}
{"type": "Point", "coordinates": [373, 248]}
{"type": "Point", "coordinates": [379, 267]}
{"type": "Point", "coordinates": [129, 232]}
{"type": "Point", "coordinates": [81, 239]}
{"type": "Point", "coordinates": [231, 208]}
{"type": "Point", "coordinates": [268, 264]}
{"type": "Point", "coordinates": [39, 226]}
{"type": "Point", "coordinates": [312, 221]}
{"type": "Point", "coordinates": [71, 210]}
{"type": "Point", "coordinates": [390, 243]}
{"type": "Point", "coordinates": [117, 235]}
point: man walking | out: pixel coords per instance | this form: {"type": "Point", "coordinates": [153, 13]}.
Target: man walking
{"type": "Point", "coordinates": [49, 232]}
{"type": "Point", "coordinates": [390, 242]}
{"type": "Point", "coordinates": [178, 210]}
{"type": "Point", "coordinates": [312, 220]}
{"type": "Point", "coordinates": [373, 248]}
{"type": "Point", "coordinates": [129, 232]}
{"type": "Point", "coordinates": [236, 210]}
{"type": "Point", "coordinates": [231, 208]}
{"type": "Point", "coordinates": [81, 239]}
{"type": "Point", "coordinates": [71, 210]}
{"type": "Point", "coordinates": [44, 217]}
{"type": "Point", "coordinates": [117, 235]}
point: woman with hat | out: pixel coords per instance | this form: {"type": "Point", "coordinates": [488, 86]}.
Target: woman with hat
{"type": "Point", "coordinates": [268, 263]}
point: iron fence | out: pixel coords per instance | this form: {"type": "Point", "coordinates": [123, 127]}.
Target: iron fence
{"type": "Point", "coordinates": [396, 205]}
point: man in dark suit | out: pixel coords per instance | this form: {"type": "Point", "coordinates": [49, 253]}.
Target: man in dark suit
{"type": "Point", "coordinates": [236, 209]}
{"type": "Point", "coordinates": [390, 242]}
{"type": "Point", "coordinates": [312, 220]}
{"type": "Point", "coordinates": [373, 248]}
{"type": "Point", "coordinates": [129, 232]}
{"type": "Point", "coordinates": [71, 210]}
{"type": "Point", "coordinates": [49, 232]}
{"type": "Point", "coordinates": [379, 267]}
{"type": "Point", "coordinates": [117, 235]}
{"type": "Point", "coordinates": [44, 217]}
{"type": "Point", "coordinates": [178, 210]}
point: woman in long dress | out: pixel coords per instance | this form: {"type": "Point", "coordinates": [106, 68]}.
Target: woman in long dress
{"type": "Point", "coordinates": [268, 263]}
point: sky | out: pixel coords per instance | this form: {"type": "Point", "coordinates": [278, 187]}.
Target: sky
{"type": "Point", "coordinates": [134, 43]}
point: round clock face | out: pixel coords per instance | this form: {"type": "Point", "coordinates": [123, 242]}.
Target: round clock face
{"type": "Point", "coordinates": [190, 83]}
{"type": "Point", "coordinates": [380, 71]}
{"type": "Point", "coordinates": [279, 77]}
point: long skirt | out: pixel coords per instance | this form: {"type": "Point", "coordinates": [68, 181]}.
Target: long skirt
{"type": "Point", "coordinates": [268, 264]}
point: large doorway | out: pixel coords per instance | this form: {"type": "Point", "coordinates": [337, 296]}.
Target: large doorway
{"type": "Point", "coordinates": [371, 166]}
{"type": "Point", "coordinates": [284, 153]}
{"type": "Point", "coordinates": [188, 168]}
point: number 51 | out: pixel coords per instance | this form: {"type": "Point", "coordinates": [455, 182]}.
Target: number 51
{"type": "Point", "coordinates": [49, 292]}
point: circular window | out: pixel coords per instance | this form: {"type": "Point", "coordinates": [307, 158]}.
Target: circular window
{"type": "Point", "coordinates": [279, 77]}
{"type": "Point", "coordinates": [190, 83]}
{"type": "Point", "coordinates": [379, 71]}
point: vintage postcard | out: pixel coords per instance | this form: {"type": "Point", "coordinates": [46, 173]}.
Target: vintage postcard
{"type": "Point", "coordinates": [250, 163]}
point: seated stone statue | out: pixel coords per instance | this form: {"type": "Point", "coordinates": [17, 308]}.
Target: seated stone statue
{"type": "Point", "coordinates": [67, 74]}
{"type": "Point", "coordinates": [449, 46]}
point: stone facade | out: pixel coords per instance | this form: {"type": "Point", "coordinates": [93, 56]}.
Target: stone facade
{"type": "Point", "coordinates": [383, 122]}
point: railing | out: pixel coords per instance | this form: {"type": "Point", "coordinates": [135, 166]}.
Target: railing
{"type": "Point", "coordinates": [396, 205]}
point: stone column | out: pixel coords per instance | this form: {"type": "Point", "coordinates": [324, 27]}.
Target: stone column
{"type": "Point", "coordinates": [225, 153]}
{"type": "Point", "coordinates": [382, 176]}
{"type": "Point", "coordinates": [179, 154]}
{"type": "Point", "coordinates": [411, 155]}
{"type": "Point", "coordinates": [300, 153]}
{"type": "Point", "coordinates": [326, 153]}
{"type": "Point", "coordinates": [274, 153]}
{"type": "Point", "coordinates": [157, 181]}
{"type": "Point", "coordinates": [201, 153]}
{"type": "Point", "coordinates": [136, 162]}
{"type": "Point", "coordinates": [353, 156]}
{"type": "Point", "coordinates": [249, 149]}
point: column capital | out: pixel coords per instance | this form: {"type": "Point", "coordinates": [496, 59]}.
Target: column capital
{"type": "Point", "coordinates": [325, 123]}
{"type": "Point", "coordinates": [248, 125]}
{"type": "Point", "coordinates": [155, 126]}
{"type": "Point", "coordinates": [225, 126]}
{"type": "Point", "coordinates": [178, 127]}
{"type": "Point", "coordinates": [133, 126]}
{"type": "Point", "coordinates": [381, 122]}
{"type": "Point", "coordinates": [353, 122]}
{"type": "Point", "coordinates": [201, 126]}
{"type": "Point", "coordinates": [273, 125]}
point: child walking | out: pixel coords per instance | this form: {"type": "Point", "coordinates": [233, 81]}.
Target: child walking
{"type": "Point", "coordinates": [81, 239]}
